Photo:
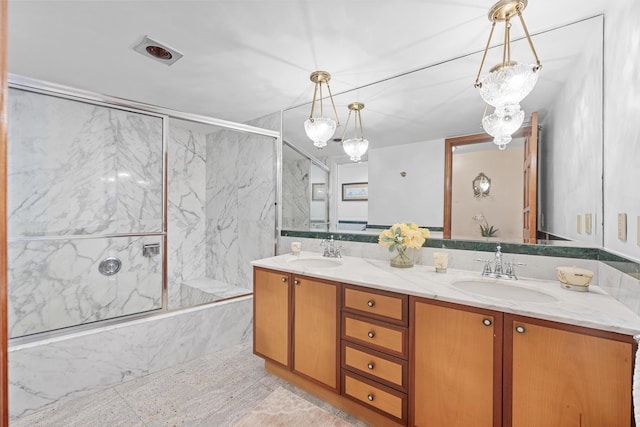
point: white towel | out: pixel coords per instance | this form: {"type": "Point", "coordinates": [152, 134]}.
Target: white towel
{"type": "Point", "coordinates": [636, 384]}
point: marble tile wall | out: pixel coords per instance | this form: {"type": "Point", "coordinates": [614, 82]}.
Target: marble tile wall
{"type": "Point", "coordinates": [80, 170]}
{"type": "Point", "coordinates": [43, 373]}
{"type": "Point", "coordinates": [56, 283]}
{"type": "Point", "coordinates": [295, 194]}
{"type": "Point", "coordinates": [240, 206]}
{"type": "Point", "coordinates": [186, 257]}
{"type": "Point", "coordinates": [77, 168]}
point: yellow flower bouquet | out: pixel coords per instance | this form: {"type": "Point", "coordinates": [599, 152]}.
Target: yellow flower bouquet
{"type": "Point", "coordinates": [401, 237]}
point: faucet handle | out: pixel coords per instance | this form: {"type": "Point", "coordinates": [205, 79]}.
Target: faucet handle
{"type": "Point", "coordinates": [511, 272]}
{"type": "Point", "coordinates": [486, 270]}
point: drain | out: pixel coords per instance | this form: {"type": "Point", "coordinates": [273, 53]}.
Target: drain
{"type": "Point", "coordinates": [109, 266]}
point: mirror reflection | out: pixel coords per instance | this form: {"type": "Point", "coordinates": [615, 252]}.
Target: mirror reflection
{"type": "Point", "coordinates": [407, 119]}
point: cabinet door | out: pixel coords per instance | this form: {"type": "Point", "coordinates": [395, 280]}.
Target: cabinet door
{"type": "Point", "coordinates": [271, 315]}
{"type": "Point", "coordinates": [315, 330]}
{"type": "Point", "coordinates": [456, 365]}
{"type": "Point", "coordinates": [565, 378]}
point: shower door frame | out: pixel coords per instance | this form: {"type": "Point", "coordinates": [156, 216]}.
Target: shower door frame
{"type": "Point", "coordinates": [38, 86]}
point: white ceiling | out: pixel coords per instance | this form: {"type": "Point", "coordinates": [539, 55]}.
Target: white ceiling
{"type": "Point", "coordinates": [244, 59]}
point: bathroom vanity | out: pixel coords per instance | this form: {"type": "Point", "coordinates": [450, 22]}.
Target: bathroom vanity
{"type": "Point", "coordinates": [414, 347]}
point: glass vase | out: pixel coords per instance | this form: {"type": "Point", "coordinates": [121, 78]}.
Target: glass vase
{"type": "Point", "coordinates": [402, 258]}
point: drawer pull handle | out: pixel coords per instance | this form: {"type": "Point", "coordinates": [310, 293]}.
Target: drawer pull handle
{"type": "Point", "coordinates": [370, 397]}
{"type": "Point", "coordinates": [520, 329]}
{"type": "Point", "coordinates": [486, 322]}
{"type": "Point", "coordinates": [371, 303]}
{"type": "Point", "coordinates": [283, 280]}
{"type": "Point", "coordinates": [371, 334]}
{"type": "Point", "coordinates": [296, 282]}
{"type": "Point", "coordinates": [370, 365]}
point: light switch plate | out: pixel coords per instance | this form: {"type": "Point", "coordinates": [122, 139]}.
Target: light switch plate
{"type": "Point", "coordinates": [579, 224]}
{"type": "Point", "coordinates": [622, 226]}
{"type": "Point", "coordinates": [587, 223]}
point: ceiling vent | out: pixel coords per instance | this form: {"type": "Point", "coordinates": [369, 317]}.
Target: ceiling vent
{"type": "Point", "coordinates": [157, 51]}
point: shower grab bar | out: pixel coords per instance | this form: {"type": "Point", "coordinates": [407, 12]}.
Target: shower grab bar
{"type": "Point", "coordinates": [83, 236]}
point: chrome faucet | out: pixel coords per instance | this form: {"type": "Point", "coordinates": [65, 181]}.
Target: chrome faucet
{"type": "Point", "coordinates": [499, 271]}
{"type": "Point", "coordinates": [497, 261]}
{"type": "Point", "coordinates": [331, 250]}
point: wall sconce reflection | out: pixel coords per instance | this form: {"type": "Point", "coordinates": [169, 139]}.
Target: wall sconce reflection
{"type": "Point", "coordinates": [481, 185]}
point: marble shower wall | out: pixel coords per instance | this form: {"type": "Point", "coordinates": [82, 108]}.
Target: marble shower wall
{"type": "Point", "coordinates": [186, 225]}
{"type": "Point", "coordinates": [54, 284]}
{"type": "Point", "coordinates": [240, 209]}
{"type": "Point", "coordinates": [79, 171]}
{"type": "Point", "coordinates": [295, 194]}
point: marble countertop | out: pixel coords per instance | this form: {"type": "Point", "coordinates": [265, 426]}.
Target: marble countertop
{"type": "Point", "coordinates": [594, 309]}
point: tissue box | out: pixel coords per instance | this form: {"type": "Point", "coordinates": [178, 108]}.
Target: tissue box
{"type": "Point", "coordinates": [574, 278]}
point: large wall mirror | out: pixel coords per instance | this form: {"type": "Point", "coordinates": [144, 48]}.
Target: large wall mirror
{"type": "Point", "coordinates": [407, 119]}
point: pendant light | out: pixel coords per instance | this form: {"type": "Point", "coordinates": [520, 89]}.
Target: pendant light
{"type": "Point", "coordinates": [355, 147]}
{"type": "Point", "coordinates": [321, 129]}
{"type": "Point", "coordinates": [507, 83]}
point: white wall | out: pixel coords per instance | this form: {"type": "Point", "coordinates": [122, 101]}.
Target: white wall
{"type": "Point", "coordinates": [571, 147]}
{"type": "Point", "coordinates": [622, 126]}
{"type": "Point", "coordinates": [502, 208]}
{"type": "Point", "coordinates": [353, 210]}
{"type": "Point", "coordinates": [420, 192]}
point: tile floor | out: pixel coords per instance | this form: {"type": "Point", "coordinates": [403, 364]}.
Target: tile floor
{"type": "Point", "coordinates": [213, 391]}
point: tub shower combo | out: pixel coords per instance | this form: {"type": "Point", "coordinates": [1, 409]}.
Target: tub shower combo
{"type": "Point", "coordinates": [118, 214]}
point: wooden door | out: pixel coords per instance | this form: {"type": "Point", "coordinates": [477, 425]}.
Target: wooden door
{"type": "Point", "coordinates": [562, 377]}
{"type": "Point", "coordinates": [271, 315]}
{"type": "Point", "coordinates": [456, 366]}
{"type": "Point", "coordinates": [530, 170]}
{"type": "Point", "coordinates": [315, 330]}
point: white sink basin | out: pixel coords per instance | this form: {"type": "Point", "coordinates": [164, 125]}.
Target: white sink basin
{"type": "Point", "coordinates": [501, 290]}
{"type": "Point", "coordinates": [315, 262]}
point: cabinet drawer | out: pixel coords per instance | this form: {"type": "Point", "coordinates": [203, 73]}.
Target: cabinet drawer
{"type": "Point", "coordinates": [385, 305]}
{"type": "Point", "coordinates": [387, 338]}
{"type": "Point", "coordinates": [376, 396]}
{"type": "Point", "coordinates": [377, 366]}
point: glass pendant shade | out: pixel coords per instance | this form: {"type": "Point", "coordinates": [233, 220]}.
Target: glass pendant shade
{"type": "Point", "coordinates": [508, 85]}
{"type": "Point", "coordinates": [320, 130]}
{"type": "Point", "coordinates": [355, 148]}
{"type": "Point", "coordinates": [502, 123]}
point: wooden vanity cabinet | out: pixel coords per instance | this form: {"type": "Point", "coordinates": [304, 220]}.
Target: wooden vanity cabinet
{"type": "Point", "coordinates": [391, 359]}
{"type": "Point", "coordinates": [470, 366]}
{"type": "Point", "coordinates": [272, 315]}
{"type": "Point", "coordinates": [375, 350]}
{"type": "Point", "coordinates": [296, 324]}
{"type": "Point", "coordinates": [455, 365]}
{"type": "Point", "coordinates": [563, 375]}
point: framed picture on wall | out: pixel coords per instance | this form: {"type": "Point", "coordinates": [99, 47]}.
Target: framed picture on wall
{"type": "Point", "coordinates": [318, 191]}
{"type": "Point", "coordinates": [355, 191]}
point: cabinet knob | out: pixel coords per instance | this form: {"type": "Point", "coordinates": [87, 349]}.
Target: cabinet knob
{"type": "Point", "coordinates": [370, 397]}
{"type": "Point", "coordinates": [370, 365]}
{"type": "Point", "coordinates": [487, 322]}
{"type": "Point", "coordinates": [371, 334]}
{"type": "Point", "coordinates": [371, 303]}
{"type": "Point", "coordinates": [283, 280]}
{"type": "Point", "coordinates": [296, 282]}
{"type": "Point", "coordinates": [520, 329]}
